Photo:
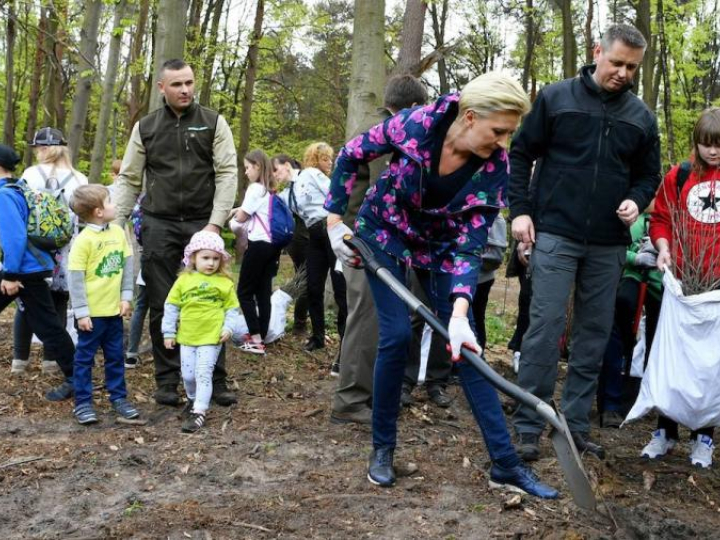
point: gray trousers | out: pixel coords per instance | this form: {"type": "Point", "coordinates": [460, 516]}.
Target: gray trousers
{"type": "Point", "coordinates": [359, 346]}
{"type": "Point", "coordinates": [556, 264]}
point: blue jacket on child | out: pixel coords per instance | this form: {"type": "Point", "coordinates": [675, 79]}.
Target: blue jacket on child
{"type": "Point", "coordinates": [17, 259]}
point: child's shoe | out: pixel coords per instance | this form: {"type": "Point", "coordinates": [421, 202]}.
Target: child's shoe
{"type": "Point", "coordinates": [125, 410]}
{"type": "Point", "coordinates": [85, 414]}
{"type": "Point", "coordinates": [658, 446]}
{"type": "Point", "coordinates": [50, 367]}
{"type": "Point", "coordinates": [61, 392]}
{"type": "Point", "coordinates": [18, 367]}
{"type": "Point", "coordinates": [702, 451]}
{"type": "Point", "coordinates": [131, 360]}
{"type": "Point", "coordinates": [193, 422]}
{"type": "Point", "coordinates": [250, 345]}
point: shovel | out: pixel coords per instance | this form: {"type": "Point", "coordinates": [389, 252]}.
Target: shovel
{"type": "Point", "coordinates": [567, 453]}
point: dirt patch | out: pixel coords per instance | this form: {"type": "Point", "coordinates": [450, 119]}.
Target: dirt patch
{"type": "Point", "coordinates": [274, 467]}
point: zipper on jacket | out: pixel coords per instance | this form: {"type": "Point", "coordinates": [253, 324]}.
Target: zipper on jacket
{"type": "Point", "coordinates": [179, 136]}
{"type": "Point", "coordinates": [603, 134]}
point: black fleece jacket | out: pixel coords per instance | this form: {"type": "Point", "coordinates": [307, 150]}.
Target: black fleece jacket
{"type": "Point", "coordinates": [592, 149]}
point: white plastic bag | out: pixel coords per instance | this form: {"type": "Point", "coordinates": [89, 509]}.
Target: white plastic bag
{"type": "Point", "coordinates": [280, 300]}
{"type": "Point", "coordinates": [425, 342]}
{"type": "Point", "coordinates": [683, 372]}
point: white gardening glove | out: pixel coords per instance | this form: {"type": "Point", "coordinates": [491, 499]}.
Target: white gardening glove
{"type": "Point", "coordinates": [461, 335]}
{"type": "Point", "coordinates": [343, 252]}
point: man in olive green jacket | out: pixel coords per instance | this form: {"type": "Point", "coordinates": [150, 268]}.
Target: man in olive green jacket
{"type": "Point", "coordinates": [185, 156]}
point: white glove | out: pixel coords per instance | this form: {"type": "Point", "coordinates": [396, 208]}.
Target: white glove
{"type": "Point", "coordinates": [343, 252]}
{"type": "Point", "coordinates": [461, 334]}
{"type": "Point", "coordinates": [647, 255]}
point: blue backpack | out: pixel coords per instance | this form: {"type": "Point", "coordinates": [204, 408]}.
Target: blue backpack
{"type": "Point", "coordinates": [282, 224]}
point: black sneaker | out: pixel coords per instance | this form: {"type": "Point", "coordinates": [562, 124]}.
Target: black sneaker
{"type": "Point", "coordinates": [438, 396]}
{"type": "Point", "coordinates": [131, 361]}
{"type": "Point", "coordinates": [584, 444]}
{"type": "Point", "coordinates": [380, 467]}
{"type": "Point", "coordinates": [314, 343]}
{"type": "Point", "coordinates": [167, 395]}
{"type": "Point", "coordinates": [529, 447]}
{"type": "Point", "coordinates": [193, 422]}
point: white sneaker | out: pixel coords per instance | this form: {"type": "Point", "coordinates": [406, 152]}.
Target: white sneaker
{"type": "Point", "coordinates": [18, 367]}
{"type": "Point", "coordinates": [658, 446]}
{"type": "Point", "coordinates": [50, 367]}
{"type": "Point", "coordinates": [516, 361]}
{"type": "Point", "coordinates": [702, 451]}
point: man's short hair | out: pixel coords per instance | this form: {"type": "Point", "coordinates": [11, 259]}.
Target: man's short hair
{"type": "Point", "coordinates": [402, 91]}
{"type": "Point", "coordinates": [174, 64]}
{"type": "Point", "coordinates": [87, 198]}
{"type": "Point", "coordinates": [629, 35]}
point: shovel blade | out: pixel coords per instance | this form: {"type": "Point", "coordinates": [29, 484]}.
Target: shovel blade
{"type": "Point", "coordinates": [571, 465]}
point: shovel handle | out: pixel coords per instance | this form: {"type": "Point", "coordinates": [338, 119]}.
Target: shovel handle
{"type": "Point", "coordinates": [500, 383]}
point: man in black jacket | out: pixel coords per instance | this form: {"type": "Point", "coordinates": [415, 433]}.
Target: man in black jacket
{"type": "Point", "coordinates": [596, 156]}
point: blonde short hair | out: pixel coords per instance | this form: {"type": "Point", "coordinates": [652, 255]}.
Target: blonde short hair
{"type": "Point", "coordinates": [87, 198]}
{"type": "Point", "coordinates": [315, 152]}
{"type": "Point", "coordinates": [494, 92]}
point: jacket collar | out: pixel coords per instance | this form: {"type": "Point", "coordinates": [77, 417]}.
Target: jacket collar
{"type": "Point", "coordinates": [193, 105]}
{"type": "Point", "coordinates": [425, 119]}
{"type": "Point", "coordinates": [586, 75]}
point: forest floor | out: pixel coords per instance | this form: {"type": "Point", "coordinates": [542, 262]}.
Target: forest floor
{"type": "Point", "coordinates": [273, 466]}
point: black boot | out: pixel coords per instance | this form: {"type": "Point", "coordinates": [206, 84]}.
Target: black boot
{"type": "Point", "coordinates": [584, 444]}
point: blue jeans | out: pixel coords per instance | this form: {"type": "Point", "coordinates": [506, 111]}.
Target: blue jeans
{"type": "Point", "coordinates": [137, 321]}
{"type": "Point", "coordinates": [107, 333]}
{"type": "Point", "coordinates": [393, 347]}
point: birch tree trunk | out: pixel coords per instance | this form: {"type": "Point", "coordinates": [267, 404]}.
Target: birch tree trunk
{"type": "Point", "coordinates": [169, 40]}
{"type": "Point", "coordinates": [87, 72]}
{"type": "Point", "coordinates": [97, 159]}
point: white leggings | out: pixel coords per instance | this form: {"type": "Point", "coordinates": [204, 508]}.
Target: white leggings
{"type": "Point", "coordinates": [197, 365]}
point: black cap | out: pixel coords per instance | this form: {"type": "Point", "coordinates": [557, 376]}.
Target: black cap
{"type": "Point", "coordinates": [8, 158]}
{"type": "Point", "coordinates": [48, 136]}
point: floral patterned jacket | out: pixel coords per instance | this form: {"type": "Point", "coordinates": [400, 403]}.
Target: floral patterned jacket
{"type": "Point", "coordinates": [448, 239]}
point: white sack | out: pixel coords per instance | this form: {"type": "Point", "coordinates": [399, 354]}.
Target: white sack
{"type": "Point", "coordinates": [681, 380]}
{"type": "Point", "coordinates": [279, 301]}
{"type": "Point", "coordinates": [637, 367]}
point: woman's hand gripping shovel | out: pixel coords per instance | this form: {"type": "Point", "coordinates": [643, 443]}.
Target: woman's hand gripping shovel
{"type": "Point", "coordinates": [567, 453]}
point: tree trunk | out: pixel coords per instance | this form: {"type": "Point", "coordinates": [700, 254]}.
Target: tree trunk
{"type": "Point", "coordinates": [210, 54]}
{"type": "Point", "coordinates": [87, 73]}
{"type": "Point", "coordinates": [439, 20]}
{"type": "Point", "coordinates": [411, 38]}
{"type": "Point", "coordinates": [247, 99]}
{"type": "Point", "coordinates": [647, 69]}
{"type": "Point", "coordinates": [529, 43]}
{"type": "Point", "coordinates": [569, 43]}
{"type": "Point", "coordinates": [9, 124]}
{"type": "Point", "coordinates": [667, 96]}
{"type": "Point", "coordinates": [589, 40]}
{"type": "Point", "coordinates": [367, 76]}
{"type": "Point", "coordinates": [169, 40]}
{"type": "Point", "coordinates": [136, 99]}
{"type": "Point", "coordinates": [34, 97]}
{"type": "Point", "coordinates": [97, 159]}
